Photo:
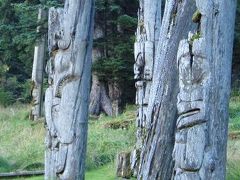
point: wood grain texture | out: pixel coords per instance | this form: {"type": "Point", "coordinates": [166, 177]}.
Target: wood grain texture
{"type": "Point", "coordinates": [67, 98]}
{"type": "Point", "coordinates": [38, 71]}
{"type": "Point", "coordinates": [161, 116]}
{"type": "Point", "coordinates": [147, 35]}
{"type": "Point", "coordinates": [204, 63]}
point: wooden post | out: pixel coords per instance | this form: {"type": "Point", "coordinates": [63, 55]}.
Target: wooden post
{"type": "Point", "coordinates": [38, 71]}
{"type": "Point", "coordinates": [67, 98]}
{"type": "Point", "coordinates": [204, 63]}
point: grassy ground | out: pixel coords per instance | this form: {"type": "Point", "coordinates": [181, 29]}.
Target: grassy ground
{"type": "Point", "coordinates": [22, 142]}
{"type": "Point", "coordinates": [233, 164]}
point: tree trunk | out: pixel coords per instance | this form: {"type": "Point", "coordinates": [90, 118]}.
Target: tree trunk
{"type": "Point", "coordinates": [204, 76]}
{"type": "Point", "coordinates": [149, 23]}
{"type": "Point", "coordinates": [66, 102]}
{"type": "Point", "coordinates": [99, 100]}
{"type": "Point", "coordinates": [156, 157]}
{"type": "Point", "coordinates": [38, 71]}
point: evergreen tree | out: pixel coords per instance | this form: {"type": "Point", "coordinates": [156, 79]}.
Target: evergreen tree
{"type": "Point", "coordinates": [236, 52]}
{"type": "Point", "coordinates": [118, 20]}
{"type": "Point", "coordinates": [18, 23]}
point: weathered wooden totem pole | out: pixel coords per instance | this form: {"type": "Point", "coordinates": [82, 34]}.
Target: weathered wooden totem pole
{"type": "Point", "coordinates": [156, 160]}
{"type": "Point", "coordinates": [38, 70]}
{"type": "Point", "coordinates": [204, 63]}
{"type": "Point", "coordinates": [147, 35]}
{"type": "Point", "coordinates": [67, 98]}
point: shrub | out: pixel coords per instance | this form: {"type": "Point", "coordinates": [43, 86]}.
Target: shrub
{"type": "Point", "coordinates": [6, 98]}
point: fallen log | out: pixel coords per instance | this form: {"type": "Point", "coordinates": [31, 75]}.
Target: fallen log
{"type": "Point", "coordinates": [21, 174]}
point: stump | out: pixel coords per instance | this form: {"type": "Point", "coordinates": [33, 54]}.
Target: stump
{"type": "Point", "coordinates": [124, 165]}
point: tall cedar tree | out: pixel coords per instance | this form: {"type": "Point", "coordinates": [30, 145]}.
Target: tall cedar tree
{"type": "Point", "coordinates": [118, 20]}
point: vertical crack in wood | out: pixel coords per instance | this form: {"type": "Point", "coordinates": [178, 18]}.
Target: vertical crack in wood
{"type": "Point", "coordinates": [156, 157]}
{"type": "Point", "coordinates": [200, 142]}
{"type": "Point", "coordinates": [147, 34]}
{"type": "Point", "coordinates": [66, 101]}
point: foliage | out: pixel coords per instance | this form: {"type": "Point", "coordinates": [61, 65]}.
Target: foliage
{"type": "Point", "coordinates": [18, 24]}
{"type": "Point", "coordinates": [118, 21]}
{"type": "Point", "coordinates": [5, 97]}
{"type": "Point", "coordinates": [234, 112]}
{"type": "Point", "coordinates": [236, 50]}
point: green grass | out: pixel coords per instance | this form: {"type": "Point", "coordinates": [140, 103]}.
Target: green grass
{"type": "Point", "coordinates": [104, 143]}
{"type": "Point", "coordinates": [233, 164]}
{"type": "Point", "coordinates": [234, 112]}
{"type": "Point", "coordinates": [22, 142]}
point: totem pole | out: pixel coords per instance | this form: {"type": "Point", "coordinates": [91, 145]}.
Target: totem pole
{"type": "Point", "coordinates": [67, 98]}
{"type": "Point", "coordinates": [148, 30]}
{"type": "Point", "coordinates": [38, 70]}
{"type": "Point", "coordinates": [204, 63]}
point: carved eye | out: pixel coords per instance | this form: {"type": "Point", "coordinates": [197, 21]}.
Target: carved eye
{"type": "Point", "coordinates": [64, 44]}
{"type": "Point", "coordinates": [56, 36]}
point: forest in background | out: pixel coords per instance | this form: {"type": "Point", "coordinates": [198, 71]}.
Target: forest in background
{"type": "Point", "coordinates": [116, 18]}
{"type": "Point", "coordinates": [18, 24]}
{"type": "Point", "coordinates": [116, 23]}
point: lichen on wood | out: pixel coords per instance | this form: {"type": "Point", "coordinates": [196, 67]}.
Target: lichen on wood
{"type": "Point", "coordinates": [204, 64]}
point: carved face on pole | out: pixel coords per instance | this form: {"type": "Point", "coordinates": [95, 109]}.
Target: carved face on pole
{"type": "Point", "coordinates": [61, 95]}
{"type": "Point", "coordinates": [191, 124]}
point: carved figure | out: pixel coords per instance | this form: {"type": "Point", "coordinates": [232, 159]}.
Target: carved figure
{"type": "Point", "coordinates": [66, 100]}
{"type": "Point", "coordinates": [190, 140]}
{"type": "Point", "coordinates": [144, 50]}
{"type": "Point", "coordinates": [37, 72]}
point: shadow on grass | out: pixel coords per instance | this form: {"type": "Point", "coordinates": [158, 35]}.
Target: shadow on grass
{"type": "Point", "coordinates": [6, 166]}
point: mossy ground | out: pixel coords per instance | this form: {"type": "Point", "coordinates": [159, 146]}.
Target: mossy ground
{"type": "Point", "coordinates": [22, 142]}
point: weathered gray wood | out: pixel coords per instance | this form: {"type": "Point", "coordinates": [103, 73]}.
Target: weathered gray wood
{"type": "Point", "coordinates": [67, 98]}
{"type": "Point", "coordinates": [38, 71]}
{"type": "Point", "coordinates": [21, 174]}
{"type": "Point", "coordinates": [115, 93]}
{"type": "Point", "coordinates": [124, 165]}
{"type": "Point", "coordinates": [147, 35]}
{"type": "Point", "coordinates": [156, 157]}
{"type": "Point", "coordinates": [204, 62]}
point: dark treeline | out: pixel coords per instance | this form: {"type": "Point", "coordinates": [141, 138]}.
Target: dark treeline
{"type": "Point", "coordinates": [116, 18]}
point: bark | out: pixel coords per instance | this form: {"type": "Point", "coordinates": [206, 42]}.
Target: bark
{"type": "Point", "coordinates": [204, 62]}
{"type": "Point", "coordinates": [147, 35]}
{"type": "Point", "coordinates": [66, 101]}
{"type": "Point", "coordinates": [38, 71]}
{"type": "Point", "coordinates": [156, 157]}
{"type": "Point", "coordinates": [99, 100]}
